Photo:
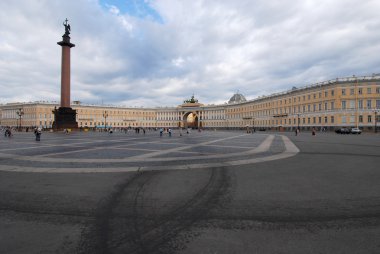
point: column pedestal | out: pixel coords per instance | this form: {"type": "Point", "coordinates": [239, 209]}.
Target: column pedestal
{"type": "Point", "coordinates": [64, 118]}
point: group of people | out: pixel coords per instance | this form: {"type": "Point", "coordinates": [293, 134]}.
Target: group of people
{"type": "Point", "coordinates": [8, 133]}
{"type": "Point", "coordinates": [169, 131]}
{"type": "Point", "coordinates": [313, 131]}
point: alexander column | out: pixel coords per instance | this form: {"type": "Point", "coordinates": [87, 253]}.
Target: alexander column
{"type": "Point", "coordinates": [65, 116]}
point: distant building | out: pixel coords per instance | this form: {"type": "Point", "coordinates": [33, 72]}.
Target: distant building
{"type": "Point", "coordinates": [348, 101]}
{"type": "Point", "coordinates": [237, 98]}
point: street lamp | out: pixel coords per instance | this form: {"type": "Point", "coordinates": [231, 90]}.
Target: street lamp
{"type": "Point", "coordinates": [375, 111]}
{"type": "Point", "coordinates": [105, 115]}
{"type": "Point", "coordinates": [20, 113]}
{"type": "Point", "coordinates": [298, 118]}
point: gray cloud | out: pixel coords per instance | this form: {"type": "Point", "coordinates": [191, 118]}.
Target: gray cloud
{"type": "Point", "coordinates": [209, 48]}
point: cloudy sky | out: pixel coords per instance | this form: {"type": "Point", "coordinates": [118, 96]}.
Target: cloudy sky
{"type": "Point", "coordinates": [160, 52]}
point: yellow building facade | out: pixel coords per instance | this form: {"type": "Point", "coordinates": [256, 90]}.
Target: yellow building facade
{"type": "Point", "coordinates": [351, 102]}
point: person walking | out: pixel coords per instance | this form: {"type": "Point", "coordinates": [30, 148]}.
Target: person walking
{"type": "Point", "coordinates": [161, 132]}
{"type": "Point", "coordinates": [170, 132]}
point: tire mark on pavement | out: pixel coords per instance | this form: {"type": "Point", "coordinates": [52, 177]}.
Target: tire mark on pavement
{"type": "Point", "coordinates": [95, 238]}
{"type": "Point", "coordinates": [133, 230]}
{"type": "Point", "coordinates": [157, 237]}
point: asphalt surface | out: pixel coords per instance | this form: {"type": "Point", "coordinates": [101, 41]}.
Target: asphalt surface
{"type": "Point", "coordinates": [208, 192]}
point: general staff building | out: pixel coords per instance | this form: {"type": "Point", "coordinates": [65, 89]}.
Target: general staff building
{"type": "Point", "coordinates": [351, 102]}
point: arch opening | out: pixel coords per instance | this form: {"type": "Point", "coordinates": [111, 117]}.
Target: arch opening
{"type": "Point", "coordinates": [190, 120]}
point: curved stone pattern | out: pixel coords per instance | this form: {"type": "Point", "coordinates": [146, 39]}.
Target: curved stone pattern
{"type": "Point", "coordinates": [100, 152]}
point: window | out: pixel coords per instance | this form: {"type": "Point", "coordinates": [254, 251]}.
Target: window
{"type": "Point", "coordinates": [326, 106]}
{"type": "Point", "coordinates": [314, 119]}
{"type": "Point", "coordinates": [332, 119]}
{"type": "Point", "coordinates": [319, 119]}
{"type": "Point", "coordinates": [378, 104]}
{"type": "Point", "coordinates": [320, 106]}
{"type": "Point", "coordinates": [377, 89]}
{"type": "Point", "coordinates": [325, 119]}
{"type": "Point", "coordinates": [369, 119]}
{"type": "Point", "coordinates": [344, 119]}
{"type": "Point", "coordinates": [360, 104]}
{"type": "Point", "coordinates": [352, 119]}
{"type": "Point", "coordinates": [352, 91]}
{"type": "Point", "coordinates": [308, 97]}
{"type": "Point", "coordinates": [308, 120]}
{"type": "Point", "coordinates": [343, 91]}
{"type": "Point", "coordinates": [352, 104]}
{"type": "Point", "coordinates": [360, 119]}
{"type": "Point", "coordinates": [326, 93]}
{"type": "Point", "coordinates": [343, 104]}
{"type": "Point", "coordinates": [308, 108]}
{"type": "Point", "coordinates": [332, 93]}
{"type": "Point", "coordinates": [369, 104]}
{"type": "Point", "coordinates": [369, 91]}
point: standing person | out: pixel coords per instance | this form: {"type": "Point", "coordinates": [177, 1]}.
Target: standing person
{"type": "Point", "coordinates": [161, 131]}
{"type": "Point", "coordinates": [38, 134]}
{"type": "Point", "coordinates": [8, 132]}
{"type": "Point", "coordinates": [313, 132]}
{"type": "Point", "coordinates": [143, 130]}
{"type": "Point", "coordinates": [170, 132]}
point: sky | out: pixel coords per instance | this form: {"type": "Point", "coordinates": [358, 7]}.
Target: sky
{"type": "Point", "coordinates": [152, 53]}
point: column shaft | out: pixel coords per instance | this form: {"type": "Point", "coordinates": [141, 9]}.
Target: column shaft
{"type": "Point", "coordinates": [65, 77]}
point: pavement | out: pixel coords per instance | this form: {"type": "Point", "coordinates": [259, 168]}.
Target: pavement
{"type": "Point", "coordinates": [207, 192]}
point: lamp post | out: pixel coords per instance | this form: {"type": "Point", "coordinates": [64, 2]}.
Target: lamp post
{"type": "Point", "coordinates": [20, 113]}
{"type": "Point", "coordinates": [375, 111]}
{"type": "Point", "coordinates": [298, 119]}
{"type": "Point", "coordinates": [105, 115]}
{"type": "Point", "coordinates": [356, 102]}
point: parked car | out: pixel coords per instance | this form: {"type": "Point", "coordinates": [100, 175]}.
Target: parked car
{"type": "Point", "coordinates": [343, 130]}
{"type": "Point", "coordinates": [356, 131]}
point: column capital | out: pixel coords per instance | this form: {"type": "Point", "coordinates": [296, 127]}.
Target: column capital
{"type": "Point", "coordinates": [66, 41]}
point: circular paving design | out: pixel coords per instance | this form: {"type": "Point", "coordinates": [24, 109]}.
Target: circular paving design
{"type": "Point", "coordinates": [85, 152]}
